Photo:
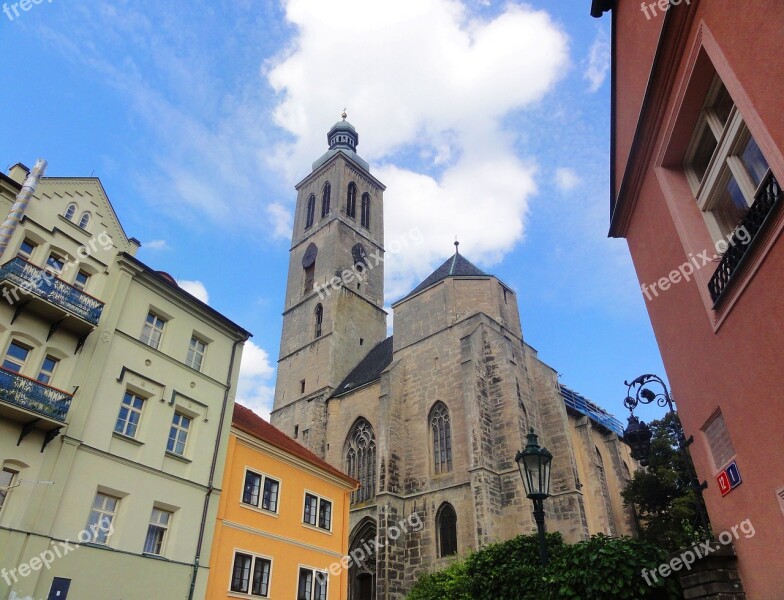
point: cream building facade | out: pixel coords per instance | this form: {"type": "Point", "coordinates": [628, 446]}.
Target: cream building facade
{"type": "Point", "coordinates": [116, 392]}
{"type": "Point", "coordinates": [429, 419]}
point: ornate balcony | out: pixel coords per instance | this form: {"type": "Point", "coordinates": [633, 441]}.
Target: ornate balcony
{"type": "Point", "coordinates": [32, 402]}
{"type": "Point", "coordinates": [24, 283]}
{"type": "Point", "coordinates": [768, 198]}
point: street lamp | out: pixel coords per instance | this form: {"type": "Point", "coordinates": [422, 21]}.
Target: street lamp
{"type": "Point", "coordinates": [534, 463]}
{"type": "Point", "coordinates": [638, 435]}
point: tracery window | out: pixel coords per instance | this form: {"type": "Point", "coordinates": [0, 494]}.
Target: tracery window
{"type": "Point", "coordinates": [361, 460]}
{"type": "Point", "coordinates": [442, 438]}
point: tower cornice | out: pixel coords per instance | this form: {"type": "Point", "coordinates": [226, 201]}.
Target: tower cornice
{"type": "Point", "coordinates": [328, 163]}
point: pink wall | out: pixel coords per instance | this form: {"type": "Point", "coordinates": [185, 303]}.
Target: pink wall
{"type": "Point", "coordinates": [734, 359]}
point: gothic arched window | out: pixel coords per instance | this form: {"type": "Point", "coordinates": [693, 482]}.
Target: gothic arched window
{"type": "Point", "coordinates": [365, 221]}
{"type": "Point", "coordinates": [311, 211]}
{"type": "Point", "coordinates": [70, 211]}
{"type": "Point", "coordinates": [361, 460]}
{"type": "Point", "coordinates": [351, 201]}
{"type": "Point", "coordinates": [442, 438]}
{"type": "Point", "coordinates": [325, 199]}
{"type": "Point", "coordinates": [319, 319]}
{"type": "Point", "coordinates": [446, 530]}
{"type": "Point", "coordinates": [85, 220]}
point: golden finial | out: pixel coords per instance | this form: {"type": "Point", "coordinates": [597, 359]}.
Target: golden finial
{"type": "Point", "coordinates": [343, 114]}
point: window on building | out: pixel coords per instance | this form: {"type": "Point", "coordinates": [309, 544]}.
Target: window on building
{"type": "Point", "coordinates": [325, 199]}
{"type": "Point", "coordinates": [365, 211]}
{"type": "Point", "coordinates": [719, 441]}
{"type": "Point", "coordinates": [100, 524]}
{"type": "Point", "coordinates": [196, 351]}
{"type": "Point", "coordinates": [7, 477]}
{"type": "Point", "coordinates": [129, 416]}
{"type": "Point", "coordinates": [16, 356]}
{"type": "Point", "coordinates": [312, 585]}
{"type": "Point", "coordinates": [310, 212]}
{"type": "Point", "coordinates": [157, 531]}
{"type": "Point", "coordinates": [361, 460]}
{"type": "Point", "coordinates": [351, 201]}
{"type": "Point", "coordinates": [55, 263]}
{"type": "Point", "coordinates": [47, 369]}
{"type": "Point", "coordinates": [310, 275]}
{"type": "Point", "coordinates": [84, 221]}
{"type": "Point", "coordinates": [70, 211]}
{"type": "Point", "coordinates": [724, 164]}
{"type": "Point", "coordinates": [80, 282]}
{"type": "Point", "coordinates": [259, 487]}
{"type": "Point", "coordinates": [152, 332]}
{"type": "Point", "coordinates": [446, 528]}
{"type": "Point", "coordinates": [318, 512]}
{"type": "Point", "coordinates": [178, 434]}
{"type": "Point", "coordinates": [442, 438]}
{"type": "Point", "coordinates": [319, 319]}
{"type": "Point", "coordinates": [26, 249]}
{"type": "Point", "coordinates": [250, 574]}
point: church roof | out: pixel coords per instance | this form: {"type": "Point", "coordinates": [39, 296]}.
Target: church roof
{"type": "Point", "coordinates": [369, 368]}
{"type": "Point", "coordinates": [455, 266]}
{"type": "Point", "coordinates": [248, 421]}
{"type": "Point", "coordinates": [582, 405]}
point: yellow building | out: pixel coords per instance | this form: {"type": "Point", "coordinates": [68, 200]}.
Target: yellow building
{"type": "Point", "coordinates": [282, 520]}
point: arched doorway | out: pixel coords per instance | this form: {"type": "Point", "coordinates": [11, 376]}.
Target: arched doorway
{"type": "Point", "coordinates": [362, 572]}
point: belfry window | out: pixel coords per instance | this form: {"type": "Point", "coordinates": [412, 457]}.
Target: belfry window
{"type": "Point", "coordinates": [319, 319]}
{"type": "Point", "coordinates": [351, 201]}
{"type": "Point", "coordinates": [311, 212]}
{"type": "Point", "coordinates": [446, 530]}
{"type": "Point", "coordinates": [365, 220]}
{"type": "Point", "coordinates": [325, 199]}
{"type": "Point", "coordinates": [442, 438]}
{"type": "Point", "coordinates": [361, 460]}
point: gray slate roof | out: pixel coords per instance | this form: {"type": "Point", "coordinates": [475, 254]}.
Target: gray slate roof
{"type": "Point", "coordinates": [369, 368]}
{"type": "Point", "coordinates": [455, 266]}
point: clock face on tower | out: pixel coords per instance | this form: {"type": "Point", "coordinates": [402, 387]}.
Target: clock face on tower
{"type": "Point", "coordinates": [359, 254]}
{"type": "Point", "coordinates": [310, 255]}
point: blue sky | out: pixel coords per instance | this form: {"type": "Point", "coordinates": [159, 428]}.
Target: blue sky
{"type": "Point", "coordinates": [487, 121]}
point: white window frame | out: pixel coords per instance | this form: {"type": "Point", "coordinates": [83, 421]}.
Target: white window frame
{"type": "Point", "coordinates": [48, 374]}
{"type": "Point", "coordinates": [22, 254]}
{"type": "Point", "coordinates": [732, 138]}
{"type": "Point", "coordinates": [180, 429]}
{"type": "Point", "coordinates": [194, 352]}
{"type": "Point", "coordinates": [319, 500]}
{"type": "Point", "coordinates": [13, 359]}
{"type": "Point", "coordinates": [263, 479]}
{"type": "Point", "coordinates": [68, 210]}
{"type": "Point", "coordinates": [131, 409]}
{"type": "Point", "coordinates": [78, 284]}
{"type": "Point", "coordinates": [254, 556]}
{"type": "Point", "coordinates": [6, 488]}
{"type": "Point", "coordinates": [314, 574]}
{"type": "Point", "coordinates": [157, 525]}
{"type": "Point", "coordinates": [150, 328]}
{"type": "Point", "coordinates": [104, 515]}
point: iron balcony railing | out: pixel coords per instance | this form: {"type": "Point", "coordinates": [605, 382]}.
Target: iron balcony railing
{"type": "Point", "coordinates": [33, 395]}
{"type": "Point", "coordinates": [767, 199]}
{"type": "Point", "coordinates": [584, 406]}
{"type": "Point", "coordinates": [37, 281]}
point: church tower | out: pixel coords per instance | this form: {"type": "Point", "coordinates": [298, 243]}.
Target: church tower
{"type": "Point", "coordinates": [333, 312]}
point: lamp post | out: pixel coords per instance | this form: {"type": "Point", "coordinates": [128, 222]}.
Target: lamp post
{"type": "Point", "coordinates": [638, 435]}
{"type": "Point", "coordinates": [534, 463]}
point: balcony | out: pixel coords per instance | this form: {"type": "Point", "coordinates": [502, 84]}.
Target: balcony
{"type": "Point", "coordinates": [29, 287]}
{"type": "Point", "coordinates": [767, 200]}
{"type": "Point", "coordinates": [34, 404]}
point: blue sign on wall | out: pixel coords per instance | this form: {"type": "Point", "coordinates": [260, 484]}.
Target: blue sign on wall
{"type": "Point", "coordinates": [733, 475]}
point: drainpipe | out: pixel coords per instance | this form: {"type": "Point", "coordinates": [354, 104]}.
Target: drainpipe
{"type": "Point", "coordinates": [20, 205]}
{"type": "Point", "coordinates": [212, 472]}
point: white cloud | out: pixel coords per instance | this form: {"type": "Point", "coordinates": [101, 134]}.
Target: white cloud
{"type": "Point", "coordinates": [598, 62]}
{"type": "Point", "coordinates": [156, 245]}
{"type": "Point", "coordinates": [427, 76]}
{"type": "Point", "coordinates": [280, 218]}
{"type": "Point", "coordinates": [256, 388]}
{"type": "Point", "coordinates": [566, 179]}
{"type": "Point", "coordinates": [195, 288]}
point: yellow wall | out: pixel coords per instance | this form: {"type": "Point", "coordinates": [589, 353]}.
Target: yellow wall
{"type": "Point", "coordinates": [281, 537]}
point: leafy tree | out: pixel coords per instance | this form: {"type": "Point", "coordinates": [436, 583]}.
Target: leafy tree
{"type": "Point", "coordinates": [663, 496]}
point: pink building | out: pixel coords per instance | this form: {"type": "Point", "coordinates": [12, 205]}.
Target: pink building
{"type": "Point", "coordinates": [697, 138]}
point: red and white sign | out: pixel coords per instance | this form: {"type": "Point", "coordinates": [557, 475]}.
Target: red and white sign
{"type": "Point", "coordinates": [729, 478]}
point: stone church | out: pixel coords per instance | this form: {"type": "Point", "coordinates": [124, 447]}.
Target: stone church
{"type": "Point", "coordinates": [429, 419]}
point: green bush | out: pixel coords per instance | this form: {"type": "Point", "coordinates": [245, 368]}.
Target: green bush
{"type": "Point", "coordinates": [601, 568]}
